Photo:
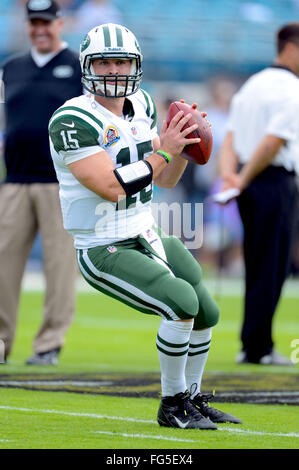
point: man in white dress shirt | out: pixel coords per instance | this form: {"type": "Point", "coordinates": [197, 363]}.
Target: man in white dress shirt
{"type": "Point", "coordinates": [260, 157]}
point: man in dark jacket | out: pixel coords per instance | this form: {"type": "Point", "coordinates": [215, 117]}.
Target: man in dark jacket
{"type": "Point", "coordinates": [35, 84]}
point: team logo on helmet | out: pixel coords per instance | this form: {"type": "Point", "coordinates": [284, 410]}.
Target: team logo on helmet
{"type": "Point", "coordinates": [85, 43]}
{"type": "Point", "coordinates": [111, 136]}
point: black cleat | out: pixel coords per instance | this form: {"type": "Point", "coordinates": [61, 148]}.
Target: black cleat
{"type": "Point", "coordinates": [48, 358]}
{"type": "Point", "coordinates": [201, 402]}
{"type": "Point", "coordinates": [179, 412]}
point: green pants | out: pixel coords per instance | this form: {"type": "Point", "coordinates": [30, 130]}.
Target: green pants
{"type": "Point", "coordinates": [128, 272]}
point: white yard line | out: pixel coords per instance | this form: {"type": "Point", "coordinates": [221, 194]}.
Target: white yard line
{"type": "Point", "coordinates": [56, 383]}
{"type": "Point", "coordinates": [144, 436]}
{"type": "Point", "coordinates": [260, 433]}
{"type": "Point", "coordinates": [134, 420]}
{"type": "Point", "coordinates": [83, 415]}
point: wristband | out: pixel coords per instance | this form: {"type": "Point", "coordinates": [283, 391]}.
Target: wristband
{"type": "Point", "coordinates": [165, 155]}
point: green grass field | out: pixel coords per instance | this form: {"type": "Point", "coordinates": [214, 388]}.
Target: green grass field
{"type": "Point", "coordinates": [109, 338]}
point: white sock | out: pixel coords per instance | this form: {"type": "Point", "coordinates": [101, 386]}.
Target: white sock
{"type": "Point", "coordinates": [173, 345]}
{"type": "Point", "coordinates": [199, 346]}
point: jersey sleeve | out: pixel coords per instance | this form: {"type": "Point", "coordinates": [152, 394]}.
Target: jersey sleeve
{"type": "Point", "coordinates": [151, 113]}
{"type": "Point", "coordinates": [73, 138]}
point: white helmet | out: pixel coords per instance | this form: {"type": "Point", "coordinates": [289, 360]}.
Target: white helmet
{"type": "Point", "coordinates": [110, 41]}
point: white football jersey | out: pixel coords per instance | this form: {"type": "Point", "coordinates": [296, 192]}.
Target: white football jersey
{"type": "Point", "coordinates": [82, 127]}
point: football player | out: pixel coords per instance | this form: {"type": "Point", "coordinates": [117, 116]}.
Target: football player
{"type": "Point", "coordinates": [107, 154]}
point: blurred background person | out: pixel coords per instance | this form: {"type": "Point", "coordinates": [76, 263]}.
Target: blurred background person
{"type": "Point", "coordinates": [260, 156]}
{"type": "Point", "coordinates": [220, 91]}
{"type": "Point", "coordinates": [222, 228]}
{"type": "Point", "coordinates": [35, 84]}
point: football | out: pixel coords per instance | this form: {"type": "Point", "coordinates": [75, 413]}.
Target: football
{"type": "Point", "coordinates": [196, 153]}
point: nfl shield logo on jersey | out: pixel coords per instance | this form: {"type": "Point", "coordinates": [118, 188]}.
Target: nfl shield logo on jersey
{"type": "Point", "coordinates": [148, 233]}
{"type": "Point", "coordinates": [112, 249]}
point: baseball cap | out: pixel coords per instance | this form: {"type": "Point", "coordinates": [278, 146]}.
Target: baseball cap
{"type": "Point", "coordinates": [43, 9]}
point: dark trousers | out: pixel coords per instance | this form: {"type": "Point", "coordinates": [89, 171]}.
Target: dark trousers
{"type": "Point", "coordinates": [268, 212]}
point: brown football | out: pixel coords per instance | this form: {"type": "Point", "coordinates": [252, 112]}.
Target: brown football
{"type": "Point", "coordinates": [196, 153]}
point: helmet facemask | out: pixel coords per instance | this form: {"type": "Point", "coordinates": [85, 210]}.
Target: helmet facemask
{"type": "Point", "coordinates": [124, 85]}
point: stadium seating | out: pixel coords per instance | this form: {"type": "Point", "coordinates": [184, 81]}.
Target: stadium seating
{"type": "Point", "coordinates": [190, 39]}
